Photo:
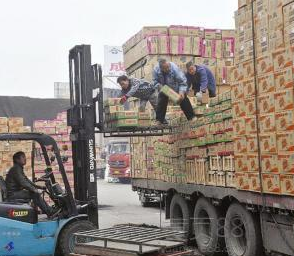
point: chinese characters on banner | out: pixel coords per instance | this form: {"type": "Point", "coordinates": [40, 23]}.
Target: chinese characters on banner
{"type": "Point", "coordinates": [113, 61]}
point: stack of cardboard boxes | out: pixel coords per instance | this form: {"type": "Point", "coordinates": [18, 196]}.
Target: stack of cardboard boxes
{"type": "Point", "coordinates": [181, 44]}
{"type": "Point", "coordinates": [59, 131]}
{"type": "Point", "coordinates": [8, 148]}
{"type": "Point", "coordinates": [270, 89]}
{"type": "Point", "coordinates": [199, 153]}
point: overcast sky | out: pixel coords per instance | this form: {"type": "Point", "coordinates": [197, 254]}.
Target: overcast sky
{"type": "Point", "coordinates": [36, 35]}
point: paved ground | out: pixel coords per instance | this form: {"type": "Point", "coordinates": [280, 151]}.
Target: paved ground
{"type": "Point", "coordinates": [119, 204]}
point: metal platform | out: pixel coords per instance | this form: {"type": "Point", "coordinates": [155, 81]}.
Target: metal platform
{"type": "Point", "coordinates": [136, 131]}
{"type": "Point", "coordinates": [129, 239]}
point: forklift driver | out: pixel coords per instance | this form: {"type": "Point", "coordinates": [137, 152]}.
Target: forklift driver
{"type": "Point", "coordinates": [20, 187]}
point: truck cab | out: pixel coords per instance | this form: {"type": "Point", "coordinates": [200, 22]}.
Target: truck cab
{"type": "Point", "coordinates": [118, 155]}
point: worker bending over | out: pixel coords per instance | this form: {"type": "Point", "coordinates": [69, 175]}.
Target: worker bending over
{"type": "Point", "coordinates": [138, 88]}
{"type": "Point", "coordinates": [168, 73]}
{"type": "Point", "coordinates": [200, 78]}
{"type": "Point", "coordinates": [20, 187]}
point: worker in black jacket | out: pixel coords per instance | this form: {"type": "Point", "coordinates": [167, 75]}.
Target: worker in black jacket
{"type": "Point", "coordinates": [20, 187]}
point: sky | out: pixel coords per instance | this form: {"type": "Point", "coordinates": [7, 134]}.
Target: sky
{"type": "Point", "coordinates": [36, 35]}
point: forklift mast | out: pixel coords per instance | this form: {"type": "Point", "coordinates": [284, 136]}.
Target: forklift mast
{"type": "Point", "coordinates": [81, 116]}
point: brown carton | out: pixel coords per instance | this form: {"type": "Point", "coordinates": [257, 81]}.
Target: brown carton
{"type": "Point", "coordinates": [240, 145]}
{"type": "Point", "coordinates": [286, 163]}
{"type": "Point", "coordinates": [271, 183]}
{"type": "Point", "coordinates": [266, 83]}
{"type": "Point", "coordinates": [288, 12]}
{"type": "Point", "coordinates": [3, 121]}
{"type": "Point", "coordinates": [252, 163]}
{"type": "Point", "coordinates": [252, 146]}
{"type": "Point", "coordinates": [285, 142]}
{"type": "Point", "coordinates": [268, 143]}
{"type": "Point", "coordinates": [250, 123]}
{"type": "Point", "coordinates": [289, 35]}
{"type": "Point", "coordinates": [264, 64]}
{"type": "Point", "coordinates": [254, 181]}
{"type": "Point", "coordinates": [276, 39]}
{"type": "Point", "coordinates": [269, 163]}
{"type": "Point", "coordinates": [238, 109]}
{"type": "Point", "coordinates": [284, 79]}
{"type": "Point", "coordinates": [240, 163]}
{"type": "Point", "coordinates": [15, 121]}
{"type": "Point", "coordinates": [249, 88]}
{"type": "Point", "coordinates": [248, 69]}
{"type": "Point", "coordinates": [237, 92]}
{"type": "Point", "coordinates": [242, 181]}
{"type": "Point", "coordinates": [267, 123]}
{"type": "Point", "coordinates": [250, 106]}
{"type": "Point", "coordinates": [3, 128]}
{"type": "Point", "coordinates": [285, 121]}
{"type": "Point", "coordinates": [262, 44]}
{"type": "Point", "coordinates": [275, 17]}
{"type": "Point", "coordinates": [266, 103]}
{"type": "Point", "coordinates": [239, 126]}
{"type": "Point", "coordinates": [283, 58]}
{"type": "Point", "coordinates": [287, 184]}
{"type": "Point", "coordinates": [284, 100]}
{"type": "Point", "coordinates": [236, 73]}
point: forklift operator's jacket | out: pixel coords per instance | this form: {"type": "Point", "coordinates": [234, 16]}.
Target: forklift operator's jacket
{"type": "Point", "coordinates": [175, 78]}
{"type": "Point", "coordinates": [138, 88]}
{"type": "Point", "coordinates": [16, 180]}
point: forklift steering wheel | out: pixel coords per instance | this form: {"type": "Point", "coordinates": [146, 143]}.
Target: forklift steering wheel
{"type": "Point", "coordinates": [45, 176]}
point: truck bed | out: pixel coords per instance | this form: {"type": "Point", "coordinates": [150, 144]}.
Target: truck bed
{"type": "Point", "coordinates": [250, 198]}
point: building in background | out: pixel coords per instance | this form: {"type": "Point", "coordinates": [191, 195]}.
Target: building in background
{"type": "Point", "coordinates": [61, 90]}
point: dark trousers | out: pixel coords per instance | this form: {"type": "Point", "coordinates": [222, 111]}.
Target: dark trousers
{"type": "Point", "coordinates": [36, 197]}
{"type": "Point", "coordinates": [162, 106]}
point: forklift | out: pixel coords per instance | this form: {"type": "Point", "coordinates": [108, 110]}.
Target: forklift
{"type": "Point", "coordinates": [25, 233]}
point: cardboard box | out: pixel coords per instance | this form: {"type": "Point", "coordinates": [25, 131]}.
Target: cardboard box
{"type": "Point", "coordinates": [275, 17]}
{"type": "Point", "coordinates": [285, 121]}
{"type": "Point", "coordinates": [276, 39]}
{"type": "Point", "coordinates": [240, 163]}
{"type": "Point", "coordinates": [252, 163]}
{"type": "Point", "coordinates": [3, 128]}
{"type": "Point", "coordinates": [269, 163]}
{"type": "Point", "coordinates": [266, 83]}
{"type": "Point", "coordinates": [249, 88]}
{"type": "Point", "coordinates": [252, 146]}
{"type": "Point", "coordinates": [254, 181]}
{"type": "Point", "coordinates": [239, 126]}
{"type": "Point", "coordinates": [169, 92]}
{"type": "Point", "coordinates": [112, 102]}
{"type": "Point", "coordinates": [180, 45]}
{"type": "Point", "coordinates": [15, 121]}
{"type": "Point", "coordinates": [288, 13]}
{"type": "Point", "coordinates": [237, 92]}
{"type": "Point", "coordinates": [284, 79]}
{"type": "Point", "coordinates": [195, 31]}
{"type": "Point", "coordinates": [238, 108]}
{"type": "Point", "coordinates": [283, 58]}
{"type": "Point", "coordinates": [287, 184]}
{"type": "Point", "coordinates": [126, 115]}
{"type": "Point", "coordinates": [178, 30]}
{"type": "Point", "coordinates": [250, 106]}
{"type": "Point", "coordinates": [237, 73]}
{"type": "Point", "coordinates": [228, 47]}
{"type": "Point", "coordinates": [164, 44]}
{"type": "Point", "coordinates": [196, 46]}
{"type": "Point", "coordinates": [266, 103]}
{"type": "Point", "coordinates": [240, 145]}
{"type": "Point", "coordinates": [3, 121]}
{"type": "Point", "coordinates": [268, 143]}
{"type": "Point", "coordinates": [264, 64]}
{"type": "Point", "coordinates": [284, 100]}
{"type": "Point", "coordinates": [242, 181]}
{"type": "Point", "coordinates": [250, 123]}
{"type": "Point", "coordinates": [248, 69]}
{"type": "Point", "coordinates": [285, 142]}
{"type": "Point", "coordinates": [267, 123]}
{"type": "Point", "coordinates": [286, 163]}
{"type": "Point", "coordinates": [213, 34]}
{"type": "Point", "coordinates": [271, 183]}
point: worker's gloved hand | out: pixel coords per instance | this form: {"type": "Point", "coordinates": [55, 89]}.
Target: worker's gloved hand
{"type": "Point", "coordinates": [123, 99]}
{"type": "Point", "coordinates": [182, 96]}
{"type": "Point", "coordinates": [199, 96]}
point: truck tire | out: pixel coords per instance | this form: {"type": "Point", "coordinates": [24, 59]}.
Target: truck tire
{"type": "Point", "coordinates": [66, 237]}
{"type": "Point", "coordinates": [144, 200]}
{"type": "Point", "coordinates": [242, 232]}
{"type": "Point", "coordinates": [208, 228]}
{"type": "Point", "coordinates": [180, 214]}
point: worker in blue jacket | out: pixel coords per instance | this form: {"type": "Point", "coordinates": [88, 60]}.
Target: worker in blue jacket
{"type": "Point", "coordinates": [201, 79]}
{"type": "Point", "coordinates": [168, 73]}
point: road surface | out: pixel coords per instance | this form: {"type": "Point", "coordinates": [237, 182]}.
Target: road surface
{"type": "Point", "coordinates": [119, 204]}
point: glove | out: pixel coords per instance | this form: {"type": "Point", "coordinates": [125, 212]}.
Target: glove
{"type": "Point", "coordinates": [199, 97]}
{"type": "Point", "coordinates": [123, 99]}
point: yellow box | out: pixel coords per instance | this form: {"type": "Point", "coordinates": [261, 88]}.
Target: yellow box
{"type": "Point", "coordinates": [284, 100]}
{"type": "Point", "coordinates": [250, 123]}
{"type": "Point", "coordinates": [254, 181]}
{"type": "Point", "coordinates": [240, 145]}
{"type": "Point", "coordinates": [15, 121]}
{"type": "Point", "coordinates": [252, 163]}
{"type": "Point", "coordinates": [287, 184]}
{"type": "Point", "coordinates": [266, 83]}
{"type": "Point", "coordinates": [249, 88]}
{"type": "Point", "coordinates": [286, 163]}
{"type": "Point", "coordinates": [267, 123]}
{"type": "Point", "coordinates": [242, 181]}
{"type": "Point", "coordinates": [284, 79]}
{"type": "Point", "coordinates": [266, 103]}
{"type": "Point", "coordinates": [252, 146]}
{"type": "Point", "coordinates": [269, 163]}
{"type": "Point", "coordinates": [3, 121]}
{"type": "Point", "coordinates": [285, 142]}
{"type": "Point", "coordinates": [264, 64]}
{"type": "Point", "coordinates": [285, 121]}
{"type": "Point", "coordinates": [250, 106]}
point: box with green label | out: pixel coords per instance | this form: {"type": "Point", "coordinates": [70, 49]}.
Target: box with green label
{"type": "Point", "coordinates": [171, 94]}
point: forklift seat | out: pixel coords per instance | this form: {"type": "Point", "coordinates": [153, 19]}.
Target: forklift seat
{"type": "Point", "coordinates": [3, 194]}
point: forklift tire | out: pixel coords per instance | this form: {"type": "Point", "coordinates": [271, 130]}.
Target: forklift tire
{"type": "Point", "coordinates": [66, 237]}
{"type": "Point", "coordinates": [208, 228]}
{"type": "Point", "coordinates": [181, 214]}
{"type": "Point", "coordinates": [242, 232]}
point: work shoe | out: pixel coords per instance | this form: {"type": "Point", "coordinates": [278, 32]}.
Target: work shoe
{"type": "Point", "coordinates": [158, 124]}
{"type": "Point", "coordinates": [193, 121]}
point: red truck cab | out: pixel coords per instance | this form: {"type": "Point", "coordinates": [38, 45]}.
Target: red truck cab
{"type": "Point", "coordinates": [119, 160]}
